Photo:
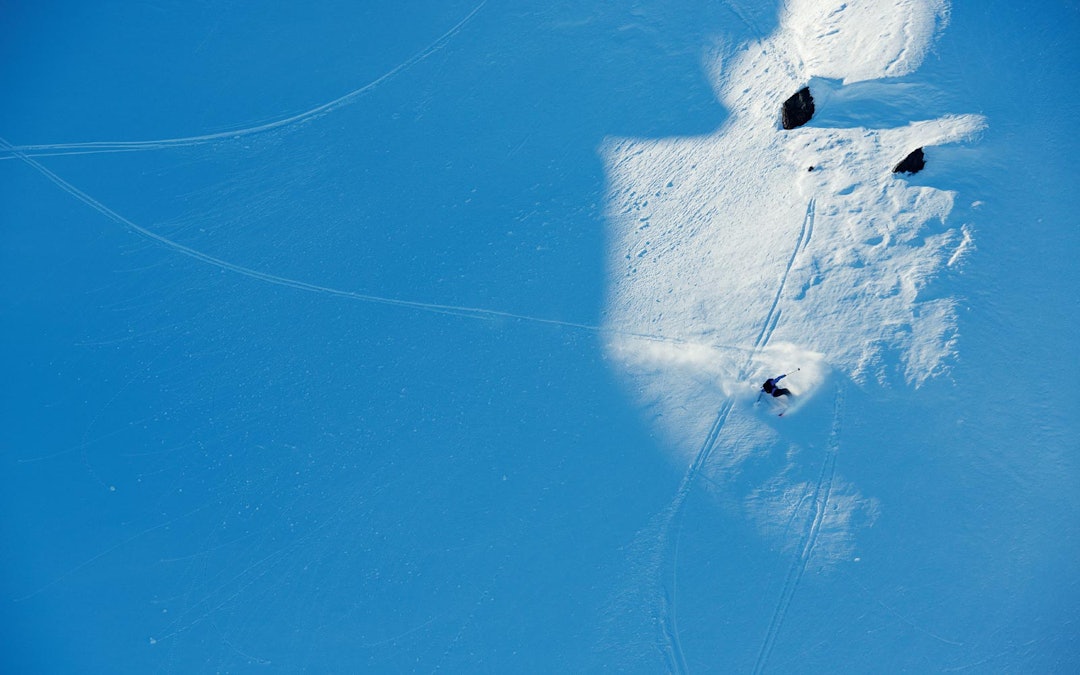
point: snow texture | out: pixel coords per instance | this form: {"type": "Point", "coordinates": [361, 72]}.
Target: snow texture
{"type": "Point", "coordinates": [755, 250]}
{"type": "Point", "coordinates": [314, 376]}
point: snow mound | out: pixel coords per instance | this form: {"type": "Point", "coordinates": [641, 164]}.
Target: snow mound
{"type": "Point", "coordinates": [861, 39]}
{"type": "Point", "coordinates": [753, 250]}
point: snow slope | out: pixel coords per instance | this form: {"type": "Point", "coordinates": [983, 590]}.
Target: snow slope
{"type": "Point", "coordinates": [757, 250]}
{"type": "Point", "coordinates": [323, 352]}
{"type": "Point", "coordinates": [753, 251]}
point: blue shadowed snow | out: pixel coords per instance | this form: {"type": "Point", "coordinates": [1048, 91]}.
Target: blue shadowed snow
{"type": "Point", "coordinates": [223, 451]}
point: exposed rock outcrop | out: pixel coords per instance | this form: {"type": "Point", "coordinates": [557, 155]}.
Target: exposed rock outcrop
{"type": "Point", "coordinates": [798, 109]}
{"type": "Point", "coordinates": [913, 163]}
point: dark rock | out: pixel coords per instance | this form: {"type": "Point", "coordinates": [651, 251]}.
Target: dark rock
{"type": "Point", "coordinates": [798, 109]}
{"type": "Point", "coordinates": [913, 163]}
{"type": "Point", "coordinates": [810, 169]}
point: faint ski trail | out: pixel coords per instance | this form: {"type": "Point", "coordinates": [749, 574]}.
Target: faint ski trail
{"type": "Point", "coordinates": [93, 147]}
{"type": "Point", "coordinates": [242, 580]}
{"type": "Point", "coordinates": [822, 491]}
{"type": "Point", "coordinates": [1012, 649]}
{"type": "Point", "coordinates": [265, 565]}
{"type": "Point", "coordinates": [489, 589]}
{"type": "Point", "coordinates": [85, 441]}
{"type": "Point", "coordinates": [250, 657]}
{"type": "Point", "coordinates": [205, 550]}
{"type": "Point", "coordinates": [404, 634]}
{"type": "Point", "coordinates": [107, 551]}
{"type": "Point", "coordinates": [460, 311]}
{"type": "Point", "coordinates": [741, 13]}
{"type": "Point", "coordinates": [901, 616]}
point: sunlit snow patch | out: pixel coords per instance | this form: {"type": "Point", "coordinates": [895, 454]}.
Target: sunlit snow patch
{"type": "Point", "coordinates": [728, 243]}
{"type": "Point", "coordinates": [754, 250]}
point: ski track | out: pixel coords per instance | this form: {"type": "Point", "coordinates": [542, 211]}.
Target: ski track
{"type": "Point", "coordinates": [669, 619]}
{"type": "Point", "coordinates": [741, 13]}
{"type": "Point", "coordinates": [118, 545]}
{"type": "Point", "coordinates": [822, 492]}
{"type": "Point", "coordinates": [672, 648]}
{"type": "Point", "coordinates": [808, 227]}
{"type": "Point", "coordinates": [676, 660]}
{"type": "Point", "coordinates": [669, 622]}
{"type": "Point", "coordinates": [899, 615]}
{"type": "Point", "coordinates": [460, 311]}
{"type": "Point", "coordinates": [94, 147]}
{"type": "Point", "coordinates": [773, 317]}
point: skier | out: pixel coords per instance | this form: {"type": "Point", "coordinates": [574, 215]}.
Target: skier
{"type": "Point", "coordinates": [773, 387]}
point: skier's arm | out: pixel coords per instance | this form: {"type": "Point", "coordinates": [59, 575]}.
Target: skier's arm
{"type": "Point", "coordinates": [778, 378]}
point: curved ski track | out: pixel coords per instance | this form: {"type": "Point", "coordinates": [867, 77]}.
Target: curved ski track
{"type": "Point", "coordinates": [821, 493]}
{"type": "Point", "coordinates": [93, 147]}
{"type": "Point", "coordinates": [669, 619]}
{"type": "Point", "coordinates": [461, 311]}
